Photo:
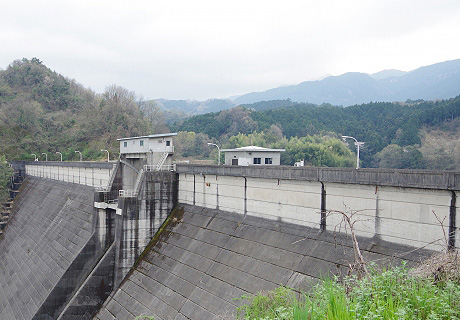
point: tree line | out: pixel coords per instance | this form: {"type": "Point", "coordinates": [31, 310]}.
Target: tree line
{"type": "Point", "coordinates": [391, 131]}
{"type": "Point", "coordinates": [42, 111]}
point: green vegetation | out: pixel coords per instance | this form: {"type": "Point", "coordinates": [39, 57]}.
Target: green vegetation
{"type": "Point", "coordinates": [394, 156]}
{"type": "Point", "coordinates": [44, 112]}
{"type": "Point", "coordinates": [317, 150]}
{"type": "Point", "coordinates": [377, 124]}
{"type": "Point", "coordinates": [5, 173]}
{"type": "Point", "coordinates": [391, 294]}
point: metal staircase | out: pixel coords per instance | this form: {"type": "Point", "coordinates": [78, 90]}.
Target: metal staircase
{"type": "Point", "coordinates": [135, 191]}
{"type": "Point", "coordinates": [162, 160]}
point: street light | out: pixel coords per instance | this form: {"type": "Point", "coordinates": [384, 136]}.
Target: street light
{"type": "Point", "coordinates": [108, 155]}
{"type": "Point", "coordinates": [79, 154]}
{"type": "Point", "coordinates": [35, 156]}
{"type": "Point", "coordinates": [60, 154]}
{"type": "Point", "coordinates": [46, 156]}
{"type": "Point", "coordinates": [218, 149]}
{"type": "Point", "coordinates": [357, 144]}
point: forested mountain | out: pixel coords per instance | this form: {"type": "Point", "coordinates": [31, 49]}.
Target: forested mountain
{"type": "Point", "coordinates": [437, 81]}
{"type": "Point", "coordinates": [44, 112]}
{"type": "Point", "coordinates": [377, 124]}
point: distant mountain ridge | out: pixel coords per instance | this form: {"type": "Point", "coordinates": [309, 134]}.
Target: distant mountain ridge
{"type": "Point", "coordinates": [194, 106]}
{"type": "Point", "coordinates": [437, 81]}
{"type": "Point", "coordinates": [387, 74]}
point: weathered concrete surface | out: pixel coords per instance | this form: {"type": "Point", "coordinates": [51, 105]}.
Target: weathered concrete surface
{"type": "Point", "coordinates": [202, 259]}
{"type": "Point", "coordinates": [142, 216]}
{"type": "Point", "coordinates": [94, 174]}
{"type": "Point", "coordinates": [395, 214]}
{"type": "Point", "coordinates": [423, 179]}
{"type": "Point", "coordinates": [93, 292]}
{"type": "Point", "coordinates": [51, 224]}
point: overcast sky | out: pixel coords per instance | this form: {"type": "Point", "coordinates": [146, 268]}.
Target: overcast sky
{"type": "Point", "coordinates": [200, 49]}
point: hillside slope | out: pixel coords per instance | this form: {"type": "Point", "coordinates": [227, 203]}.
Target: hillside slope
{"type": "Point", "coordinates": [41, 111]}
{"type": "Point", "coordinates": [376, 124]}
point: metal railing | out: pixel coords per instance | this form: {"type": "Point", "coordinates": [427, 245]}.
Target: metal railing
{"type": "Point", "coordinates": [126, 193]}
{"type": "Point", "coordinates": [165, 167]}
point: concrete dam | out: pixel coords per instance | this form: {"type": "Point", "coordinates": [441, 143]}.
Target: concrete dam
{"type": "Point", "coordinates": [185, 244]}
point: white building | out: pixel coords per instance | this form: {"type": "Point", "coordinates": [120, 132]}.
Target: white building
{"type": "Point", "coordinates": [149, 149]}
{"type": "Point", "coordinates": [153, 153]}
{"type": "Point", "coordinates": [252, 155]}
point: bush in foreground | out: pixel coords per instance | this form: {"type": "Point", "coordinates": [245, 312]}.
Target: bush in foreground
{"type": "Point", "coordinates": [395, 293]}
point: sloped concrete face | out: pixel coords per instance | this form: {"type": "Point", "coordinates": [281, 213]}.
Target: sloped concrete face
{"type": "Point", "coordinates": [51, 223]}
{"type": "Point", "coordinates": [203, 259]}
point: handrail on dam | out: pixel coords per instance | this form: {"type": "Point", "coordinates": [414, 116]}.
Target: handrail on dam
{"type": "Point", "coordinates": [423, 179]}
{"type": "Point", "coordinates": [82, 164]}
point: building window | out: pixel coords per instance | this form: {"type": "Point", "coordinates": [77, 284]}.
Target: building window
{"type": "Point", "coordinates": [257, 160]}
{"type": "Point", "coordinates": [125, 144]}
{"type": "Point", "coordinates": [168, 143]}
{"type": "Point", "coordinates": [141, 143]}
{"type": "Point", "coordinates": [160, 141]}
{"type": "Point", "coordinates": [268, 160]}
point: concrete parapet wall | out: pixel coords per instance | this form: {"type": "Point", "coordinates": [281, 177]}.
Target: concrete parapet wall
{"type": "Point", "coordinates": [422, 179]}
{"type": "Point", "coordinates": [401, 214]}
{"type": "Point", "coordinates": [94, 174]}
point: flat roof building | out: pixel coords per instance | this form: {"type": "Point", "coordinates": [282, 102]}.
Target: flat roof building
{"type": "Point", "coordinates": [152, 153]}
{"type": "Point", "coordinates": [138, 147]}
{"type": "Point", "coordinates": [252, 155]}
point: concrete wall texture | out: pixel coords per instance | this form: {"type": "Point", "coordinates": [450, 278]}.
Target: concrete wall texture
{"type": "Point", "coordinates": [236, 230]}
{"type": "Point", "coordinates": [94, 174]}
{"type": "Point", "coordinates": [142, 216]}
{"type": "Point", "coordinates": [406, 213]}
{"type": "Point", "coordinates": [205, 258]}
{"type": "Point", "coordinates": [51, 224]}
{"type": "Point", "coordinates": [63, 252]}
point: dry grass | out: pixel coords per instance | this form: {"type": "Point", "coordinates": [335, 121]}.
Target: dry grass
{"type": "Point", "coordinates": [440, 267]}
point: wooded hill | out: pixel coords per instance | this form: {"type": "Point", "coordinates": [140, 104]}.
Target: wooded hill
{"type": "Point", "coordinates": [377, 124]}
{"type": "Point", "coordinates": [43, 112]}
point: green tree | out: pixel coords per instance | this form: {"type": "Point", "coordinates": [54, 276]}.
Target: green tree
{"type": "Point", "coordinates": [394, 156]}
{"type": "Point", "coordinates": [5, 175]}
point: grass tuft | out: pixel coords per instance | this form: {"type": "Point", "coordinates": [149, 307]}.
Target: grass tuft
{"type": "Point", "coordinates": [394, 293]}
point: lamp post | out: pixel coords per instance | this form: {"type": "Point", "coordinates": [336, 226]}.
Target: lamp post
{"type": "Point", "coordinates": [59, 154]}
{"type": "Point", "coordinates": [79, 154]}
{"type": "Point", "coordinates": [108, 155]}
{"type": "Point", "coordinates": [357, 144]}
{"type": "Point", "coordinates": [46, 156]}
{"type": "Point", "coordinates": [218, 149]}
{"type": "Point", "coordinates": [35, 156]}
